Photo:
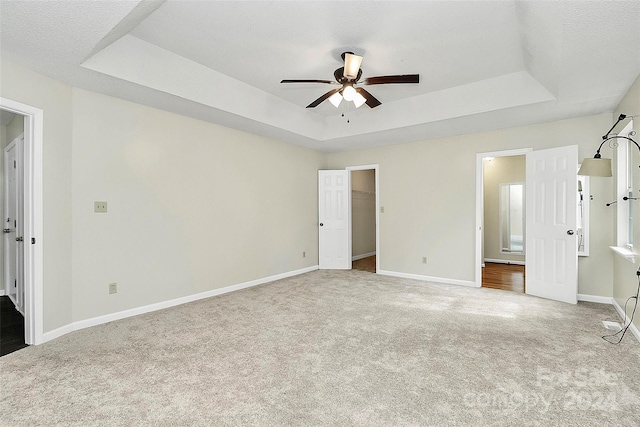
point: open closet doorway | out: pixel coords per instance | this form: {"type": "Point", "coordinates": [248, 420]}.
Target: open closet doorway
{"type": "Point", "coordinates": [503, 212]}
{"type": "Point", "coordinates": [364, 218]}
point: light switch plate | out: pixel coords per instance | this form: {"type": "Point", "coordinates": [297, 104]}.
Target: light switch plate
{"type": "Point", "coordinates": [100, 207]}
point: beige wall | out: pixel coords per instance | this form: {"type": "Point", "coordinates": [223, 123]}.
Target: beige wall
{"type": "Point", "coordinates": [427, 190]}
{"type": "Point", "coordinates": [624, 274]}
{"type": "Point", "coordinates": [192, 206]}
{"type": "Point", "coordinates": [363, 211]}
{"type": "Point", "coordinates": [22, 85]}
{"type": "Point", "coordinates": [501, 170]}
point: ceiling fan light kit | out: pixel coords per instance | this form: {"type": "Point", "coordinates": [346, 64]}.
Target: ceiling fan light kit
{"type": "Point", "coordinates": [347, 77]}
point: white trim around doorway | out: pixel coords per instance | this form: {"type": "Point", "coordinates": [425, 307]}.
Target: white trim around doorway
{"type": "Point", "coordinates": [33, 217]}
{"type": "Point", "coordinates": [480, 203]}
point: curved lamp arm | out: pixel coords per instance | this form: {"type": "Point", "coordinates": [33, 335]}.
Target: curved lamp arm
{"type": "Point", "coordinates": [597, 166]}
{"type": "Point", "coordinates": [608, 138]}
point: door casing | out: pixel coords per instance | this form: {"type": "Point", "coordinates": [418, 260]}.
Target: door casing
{"type": "Point", "coordinates": [480, 203]}
{"type": "Point", "coordinates": [32, 217]}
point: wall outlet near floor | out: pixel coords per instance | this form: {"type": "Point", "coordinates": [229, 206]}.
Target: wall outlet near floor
{"type": "Point", "coordinates": [100, 207]}
{"type": "Point", "coordinates": [424, 259]}
{"type": "Point", "coordinates": [113, 288]}
{"type": "Point", "coordinates": [304, 254]}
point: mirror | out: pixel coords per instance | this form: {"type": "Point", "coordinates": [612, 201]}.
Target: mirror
{"type": "Point", "coordinates": [512, 218]}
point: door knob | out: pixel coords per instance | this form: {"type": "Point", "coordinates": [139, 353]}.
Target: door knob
{"type": "Point", "coordinates": [321, 224]}
{"type": "Point", "coordinates": [19, 239]}
{"type": "Point", "coordinates": [570, 232]}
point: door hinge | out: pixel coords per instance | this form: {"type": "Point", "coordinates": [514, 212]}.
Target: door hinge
{"type": "Point", "coordinates": [14, 164]}
{"type": "Point", "coordinates": [33, 240]}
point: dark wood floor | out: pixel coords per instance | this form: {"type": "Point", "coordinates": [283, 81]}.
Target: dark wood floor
{"type": "Point", "coordinates": [365, 264]}
{"type": "Point", "coordinates": [11, 327]}
{"type": "Point", "coordinates": [507, 277]}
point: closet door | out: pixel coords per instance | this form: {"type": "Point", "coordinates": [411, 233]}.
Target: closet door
{"type": "Point", "coordinates": [334, 194]}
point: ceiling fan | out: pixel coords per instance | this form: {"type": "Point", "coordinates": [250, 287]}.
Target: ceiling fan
{"type": "Point", "coordinates": [348, 77]}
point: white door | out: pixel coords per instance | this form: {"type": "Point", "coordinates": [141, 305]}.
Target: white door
{"type": "Point", "coordinates": [551, 245]}
{"type": "Point", "coordinates": [12, 224]}
{"type": "Point", "coordinates": [333, 214]}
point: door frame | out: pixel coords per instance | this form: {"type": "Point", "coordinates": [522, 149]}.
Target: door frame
{"type": "Point", "coordinates": [376, 168]}
{"type": "Point", "coordinates": [32, 217]}
{"type": "Point", "coordinates": [480, 204]}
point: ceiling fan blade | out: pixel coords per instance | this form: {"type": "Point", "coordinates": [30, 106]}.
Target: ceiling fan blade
{"type": "Point", "coordinates": [323, 97]}
{"type": "Point", "coordinates": [331, 82]}
{"type": "Point", "coordinates": [382, 80]}
{"type": "Point", "coordinates": [371, 100]}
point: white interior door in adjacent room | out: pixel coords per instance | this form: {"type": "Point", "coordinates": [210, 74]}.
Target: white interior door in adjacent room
{"type": "Point", "coordinates": [551, 246]}
{"type": "Point", "coordinates": [333, 214]}
{"type": "Point", "coordinates": [12, 222]}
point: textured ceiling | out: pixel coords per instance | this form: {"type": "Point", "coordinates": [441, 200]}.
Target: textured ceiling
{"type": "Point", "coordinates": [482, 64]}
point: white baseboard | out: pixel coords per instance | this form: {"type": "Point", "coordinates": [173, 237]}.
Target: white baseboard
{"type": "Point", "coordinates": [357, 257]}
{"type": "Point", "coordinates": [504, 261]}
{"type": "Point", "coordinates": [428, 278]}
{"type": "Point", "coordinates": [634, 330]}
{"type": "Point", "coordinates": [82, 324]}
{"type": "Point", "coordinates": [595, 298]}
{"type": "Point", "coordinates": [2, 292]}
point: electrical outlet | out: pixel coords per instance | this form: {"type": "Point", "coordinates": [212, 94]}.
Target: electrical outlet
{"type": "Point", "coordinates": [381, 209]}
{"type": "Point", "coordinates": [424, 259]}
{"type": "Point", "coordinates": [304, 254]}
{"type": "Point", "coordinates": [113, 288]}
{"type": "Point", "coordinates": [100, 207]}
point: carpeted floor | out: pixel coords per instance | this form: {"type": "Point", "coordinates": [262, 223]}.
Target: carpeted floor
{"type": "Point", "coordinates": [334, 348]}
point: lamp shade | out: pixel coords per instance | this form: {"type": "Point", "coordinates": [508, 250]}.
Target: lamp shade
{"type": "Point", "coordinates": [336, 99]}
{"type": "Point", "coordinates": [352, 65]}
{"type": "Point", "coordinates": [595, 167]}
{"type": "Point", "coordinates": [358, 100]}
{"type": "Point", "coordinates": [349, 93]}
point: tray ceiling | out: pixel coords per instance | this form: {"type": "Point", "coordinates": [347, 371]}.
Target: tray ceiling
{"type": "Point", "coordinates": [483, 64]}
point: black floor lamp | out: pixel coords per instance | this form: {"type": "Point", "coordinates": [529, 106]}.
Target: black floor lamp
{"type": "Point", "coordinates": [597, 166]}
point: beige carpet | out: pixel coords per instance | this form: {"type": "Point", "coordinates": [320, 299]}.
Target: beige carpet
{"type": "Point", "coordinates": [334, 349]}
